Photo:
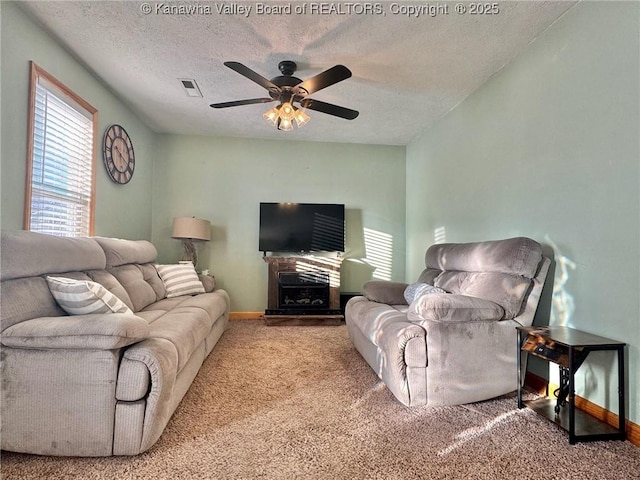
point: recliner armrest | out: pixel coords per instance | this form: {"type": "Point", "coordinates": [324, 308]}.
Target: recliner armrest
{"type": "Point", "coordinates": [93, 331]}
{"type": "Point", "coordinates": [390, 293]}
{"type": "Point", "coordinates": [453, 308]}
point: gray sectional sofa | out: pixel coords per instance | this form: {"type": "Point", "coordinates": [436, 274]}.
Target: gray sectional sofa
{"type": "Point", "coordinates": [456, 343]}
{"type": "Point", "coordinates": [96, 384]}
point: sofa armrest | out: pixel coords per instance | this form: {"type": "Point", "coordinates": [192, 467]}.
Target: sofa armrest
{"type": "Point", "coordinates": [161, 359]}
{"type": "Point", "coordinates": [390, 293]}
{"type": "Point", "coordinates": [209, 282]}
{"type": "Point", "coordinates": [453, 308]}
{"type": "Point", "coordinates": [93, 331]}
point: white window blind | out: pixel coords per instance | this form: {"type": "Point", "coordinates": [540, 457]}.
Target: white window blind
{"type": "Point", "coordinates": [62, 164]}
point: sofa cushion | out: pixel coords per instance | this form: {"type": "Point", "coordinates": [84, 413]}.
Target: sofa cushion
{"type": "Point", "coordinates": [391, 293]}
{"type": "Point", "coordinates": [453, 308]}
{"type": "Point", "coordinates": [212, 303]}
{"type": "Point", "coordinates": [122, 252]}
{"type": "Point", "coordinates": [81, 297]}
{"type": "Point", "coordinates": [151, 316]}
{"type": "Point", "coordinates": [131, 262]}
{"type": "Point", "coordinates": [372, 317]}
{"type": "Point", "coordinates": [132, 278]}
{"type": "Point", "coordinates": [150, 275]}
{"type": "Point", "coordinates": [504, 289]}
{"type": "Point", "coordinates": [515, 256]}
{"type": "Point", "coordinates": [111, 283]}
{"type": "Point", "coordinates": [180, 279]}
{"type": "Point", "coordinates": [26, 298]}
{"type": "Point", "coordinates": [509, 291]}
{"type": "Point", "coordinates": [185, 327]}
{"type": "Point", "coordinates": [30, 254]}
{"type": "Point", "coordinates": [164, 305]}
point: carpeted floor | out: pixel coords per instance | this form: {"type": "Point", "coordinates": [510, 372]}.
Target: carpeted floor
{"type": "Point", "coordinates": [300, 403]}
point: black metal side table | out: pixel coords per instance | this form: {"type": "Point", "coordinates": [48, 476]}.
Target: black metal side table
{"type": "Point", "coordinates": [568, 348]}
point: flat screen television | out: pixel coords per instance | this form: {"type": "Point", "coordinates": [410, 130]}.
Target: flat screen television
{"type": "Point", "coordinates": [301, 227]}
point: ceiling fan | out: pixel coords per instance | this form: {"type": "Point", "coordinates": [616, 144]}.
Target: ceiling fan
{"type": "Point", "coordinates": [287, 90]}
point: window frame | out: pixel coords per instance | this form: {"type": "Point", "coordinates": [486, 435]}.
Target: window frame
{"type": "Point", "coordinates": [69, 97]}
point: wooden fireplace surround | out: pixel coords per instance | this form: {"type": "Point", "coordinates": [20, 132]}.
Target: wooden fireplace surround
{"type": "Point", "coordinates": [304, 264]}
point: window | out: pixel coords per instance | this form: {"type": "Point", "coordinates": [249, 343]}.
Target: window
{"type": "Point", "coordinates": [60, 193]}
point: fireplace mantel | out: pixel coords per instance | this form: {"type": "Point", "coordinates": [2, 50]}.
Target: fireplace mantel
{"type": "Point", "coordinates": [303, 264]}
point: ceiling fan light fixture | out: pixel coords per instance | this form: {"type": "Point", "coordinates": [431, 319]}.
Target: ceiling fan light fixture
{"type": "Point", "coordinates": [283, 116]}
{"type": "Point", "coordinates": [301, 117]}
{"type": "Point", "coordinates": [272, 115]}
{"type": "Point", "coordinates": [286, 111]}
{"type": "Point", "coordinates": [285, 124]}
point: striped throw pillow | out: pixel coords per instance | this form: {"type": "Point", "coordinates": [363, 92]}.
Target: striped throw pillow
{"type": "Point", "coordinates": [180, 279]}
{"type": "Point", "coordinates": [418, 289]}
{"type": "Point", "coordinates": [81, 297]}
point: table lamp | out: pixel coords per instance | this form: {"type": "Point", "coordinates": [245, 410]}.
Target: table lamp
{"type": "Point", "coordinates": [189, 229]}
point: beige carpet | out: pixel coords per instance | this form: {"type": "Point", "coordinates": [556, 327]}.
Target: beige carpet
{"type": "Point", "coordinates": [300, 403]}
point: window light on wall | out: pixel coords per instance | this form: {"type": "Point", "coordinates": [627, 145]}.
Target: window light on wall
{"type": "Point", "coordinates": [60, 189]}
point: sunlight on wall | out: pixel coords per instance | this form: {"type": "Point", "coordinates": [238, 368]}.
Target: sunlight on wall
{"type": "Point", "coordinates": [329, 265]}
{"type": "Point", "coordinates": [562, 306]}
{"type": "Point", "coordinates": [440, 235]}
{"type": "Point", "coordinates": [379, 253]}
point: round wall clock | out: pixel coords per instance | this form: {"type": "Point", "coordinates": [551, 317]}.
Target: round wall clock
{"type": "Point", "coordinates": [118, 155]}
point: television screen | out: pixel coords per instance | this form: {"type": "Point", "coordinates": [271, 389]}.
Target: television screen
{"type": "Point", "coordinates": [301, 227]}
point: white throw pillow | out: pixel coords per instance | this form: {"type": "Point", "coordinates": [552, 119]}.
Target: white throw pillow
{"type": "Point", "coordinates": [180, 279]}
{"type": "Point", "coordinates": [81, 297]}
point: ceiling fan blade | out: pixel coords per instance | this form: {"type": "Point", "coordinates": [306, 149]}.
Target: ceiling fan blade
{"type": "Point", "coordinates": [329, 108]}
{"type": "Point", "coordinates": [238, 103]}
{"type": "Point", "coordinates": [251, 75]}
{"type": "Point", "coordinates": [325, 79]}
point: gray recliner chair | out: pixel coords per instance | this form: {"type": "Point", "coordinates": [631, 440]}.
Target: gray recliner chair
{"type": "Point", "coordinates": [455, 343]}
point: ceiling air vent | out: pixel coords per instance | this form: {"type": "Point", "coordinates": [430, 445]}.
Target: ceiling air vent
{"type": "Point", "coordinates": [190, 87]}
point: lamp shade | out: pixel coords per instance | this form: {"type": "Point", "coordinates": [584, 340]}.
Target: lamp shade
{"type": "Point", "coordinates": [191, 227]}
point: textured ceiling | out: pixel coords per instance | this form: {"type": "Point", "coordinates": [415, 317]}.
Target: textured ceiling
{"type": "Point", "coordinates": [408, 71]}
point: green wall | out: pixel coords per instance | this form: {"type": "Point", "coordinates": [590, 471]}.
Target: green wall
{"type": "Point", "coordinates": [121, 211]}
{"type": "Point", "coordinates": [549, 148]}
{"type": "Point", "coordinates": [225, 179]}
